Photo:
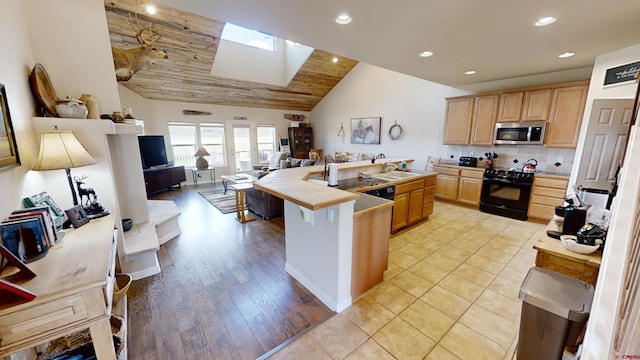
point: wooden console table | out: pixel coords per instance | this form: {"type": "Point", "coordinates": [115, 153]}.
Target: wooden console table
{"type": "Point", "coordinates": [74, 287]}
{"type": "Point", "coordinates": [163, 178]}
{"type": "Point", "coordinates": [553, 256]}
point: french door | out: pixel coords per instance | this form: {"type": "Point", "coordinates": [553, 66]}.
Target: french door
{"type": "Point", "coordinates": [241, 149]}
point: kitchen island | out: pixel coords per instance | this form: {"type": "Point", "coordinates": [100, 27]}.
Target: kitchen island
{"type": "Point", "coordinates": [322, 228]}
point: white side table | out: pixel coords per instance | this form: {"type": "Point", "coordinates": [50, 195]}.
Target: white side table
{"type": "Point", "coordinates": [195, 172]}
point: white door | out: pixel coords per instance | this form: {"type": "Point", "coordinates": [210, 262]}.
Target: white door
{"type": "Point", "coordinates": [240, 149]}
{"type": "Point", "coordinates": [605, 143]}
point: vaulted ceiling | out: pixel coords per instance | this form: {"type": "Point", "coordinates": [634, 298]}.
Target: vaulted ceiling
{"type": "Point", "coordinates": [191, 42]}
{"type": "Point", "coordinates": [494, 37]}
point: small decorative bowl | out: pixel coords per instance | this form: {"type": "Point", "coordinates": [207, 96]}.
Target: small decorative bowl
{"type": "Point", "coordinates": [570, 242]}
{"type": "Point", "coordinates": [127, 224]}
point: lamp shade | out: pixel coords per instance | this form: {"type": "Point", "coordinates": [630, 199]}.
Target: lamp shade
{"type": "Point", "coordinates": [61, 150]}
{"type": "Point", "coordinates": [202, 152]}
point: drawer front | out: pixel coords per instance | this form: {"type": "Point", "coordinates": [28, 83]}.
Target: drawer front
{"type": "Point", "coordinates": [549, 182]}
{"type": "Point", "coordinates": [414, 185]}
{"type": "Point", "coordinates": [540, 211]}
{"type": "Point", "coordinates": [446, 170]}
{"type": "Point", "coordinates": [427, 209]}
{"type": "Point", "coordinates": [428, 198]}
{"type": "Point", "coordinates": [544, 200]}
{"type": "Point", "coordinates": [476, 174]}
{"type": "Point", "coordinates": [549, 192]}
{"type": "Point", "coordinates": [430, 181]}
{"type": "Point", "coordinates": [44, 321]}
{"type": "Point", "coordinates": [430, 190]}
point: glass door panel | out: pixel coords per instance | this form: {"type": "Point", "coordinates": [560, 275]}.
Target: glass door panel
{"type": "Point", "coordinates": [242, 148]}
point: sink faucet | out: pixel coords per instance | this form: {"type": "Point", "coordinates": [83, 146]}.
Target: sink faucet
{"type": "Point", "coordinates": [388, 166]}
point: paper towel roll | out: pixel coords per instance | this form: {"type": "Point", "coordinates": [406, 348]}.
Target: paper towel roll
{"type": "Point", "coordinates": [333, 174]}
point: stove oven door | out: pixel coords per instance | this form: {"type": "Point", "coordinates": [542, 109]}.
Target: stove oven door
{"type": "Point", "coordinates": [506, 194]}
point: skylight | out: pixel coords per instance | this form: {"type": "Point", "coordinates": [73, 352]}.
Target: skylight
{"type": "Point", "coordinates": [248, 37]}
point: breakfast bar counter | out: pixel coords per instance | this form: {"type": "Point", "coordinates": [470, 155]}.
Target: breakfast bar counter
{"type": "Point", "coordinates": [336, 241]}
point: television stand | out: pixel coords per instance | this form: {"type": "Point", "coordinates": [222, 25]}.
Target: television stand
{"type": "Point", "coordinates": [163, 178]}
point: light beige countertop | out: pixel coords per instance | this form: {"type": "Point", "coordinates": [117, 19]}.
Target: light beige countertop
{"type": "Point", "coordinates": [554, 246]}
{"type": "Point", "coordinates": [292, 185]}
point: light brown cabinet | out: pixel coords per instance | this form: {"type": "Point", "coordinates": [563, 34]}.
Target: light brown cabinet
{"type": "Point", "coordinates": [413, 202]}
{"type": "Point", "coordinates": [485, 109]}
{"type": "Point", "coordinates": [459, 184]}
{"type": "Point", "coordinates": [457, 125]}
{"type": "Point", "coordinates": [447, 187]}
{"type": "Point", "coordinates": [370, 251]}
{"type": "Point", "coordinates": [470, 186]}
{"type": "Point", "coordinates": [530, 105]}
{"type": "Point", "coordinates": [510, 107]}
{"type": "Point", "coordinates": [548, 191]}
{"type": "Point", "coordinates": [565, 117]}
{"type": "Point", "coordinates": [535, 105]}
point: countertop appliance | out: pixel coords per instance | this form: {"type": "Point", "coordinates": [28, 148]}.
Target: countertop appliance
{"type": "Point", "coordinates": [506, 192]}
{"type": "Point", "coordinates": [386, 192]}
{"type": "Point", "coordinates": [525, 133]}
{"type": "Point", "coordinates": [468, 161]}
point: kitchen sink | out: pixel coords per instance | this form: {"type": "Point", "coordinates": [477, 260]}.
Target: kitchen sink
{"type": "Point", "coordinates": [394, 175]}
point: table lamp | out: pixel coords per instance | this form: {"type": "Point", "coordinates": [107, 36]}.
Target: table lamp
{"type": "Point", "coordinates": [201, 162]}
{"type": "Point", "coordinates": [62, 150]}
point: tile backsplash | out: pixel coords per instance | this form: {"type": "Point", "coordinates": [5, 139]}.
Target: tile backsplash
{"type": "Point", "coordinates": [548, 159]}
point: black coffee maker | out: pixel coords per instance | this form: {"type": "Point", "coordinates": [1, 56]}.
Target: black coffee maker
{"type": "Point", "coordinates": [574, 219]}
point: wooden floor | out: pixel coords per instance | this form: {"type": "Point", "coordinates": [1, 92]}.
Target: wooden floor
{"type": "Point", "coordinates": [222, 292]}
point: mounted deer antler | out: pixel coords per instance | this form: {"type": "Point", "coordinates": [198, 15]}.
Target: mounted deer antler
{"type": "Point", "coordinates": [130, 61]}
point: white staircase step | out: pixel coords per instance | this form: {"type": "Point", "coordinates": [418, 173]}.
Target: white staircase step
{"type": "Point", "coordinates": [140, 239]}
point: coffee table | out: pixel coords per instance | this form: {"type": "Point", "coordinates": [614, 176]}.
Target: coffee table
{"type": "Point", "coordinates": [236, 179]}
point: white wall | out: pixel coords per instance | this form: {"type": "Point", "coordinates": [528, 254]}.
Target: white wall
{"type": "Point", "coordinates": [600, 332]}
{"type": "Point", "coordinates": [368, 91]}
{"type": "Point", "coordinates": [14, 73]}
{"type": "Point", "coordinates": [157, 114]}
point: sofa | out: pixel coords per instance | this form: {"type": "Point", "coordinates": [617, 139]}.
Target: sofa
{"type": "Point", "coordinates": [264, 204]}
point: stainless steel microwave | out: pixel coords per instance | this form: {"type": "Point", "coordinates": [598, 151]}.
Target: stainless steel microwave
{"type": "Point", "coordinates": [525, 133]}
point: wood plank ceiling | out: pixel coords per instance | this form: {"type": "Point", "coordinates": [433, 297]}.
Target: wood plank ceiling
{"type": "Point", "coordinates": [191, 42]}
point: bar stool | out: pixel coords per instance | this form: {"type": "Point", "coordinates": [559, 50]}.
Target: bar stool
{"type": "Point", "coordinates": [240, 206]}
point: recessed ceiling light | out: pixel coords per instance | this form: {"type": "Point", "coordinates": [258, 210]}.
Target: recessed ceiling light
{"type": "Point", "coordinates": [426, 53]}
{"type": "Point", "coordinates": [470, 72]}
{"type": "Point", "coordinates": [544, 21]}
{"type": "Point", "coordinates": [150, 9]}
{"type": "Point", "coordinates": [343, 19]}
{"type": "Point", "coordinates": [335, 60]}
{"type": "Point", "coordinates": [566, 54]}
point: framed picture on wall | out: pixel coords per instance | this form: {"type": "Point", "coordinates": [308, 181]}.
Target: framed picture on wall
{"type": "Point", "coordinates": [8, 147]}
{"type": "Point", "coordinates": [365, 130]}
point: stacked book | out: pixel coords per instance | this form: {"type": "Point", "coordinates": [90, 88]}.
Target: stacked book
{"type": "Point", "coordinates": [28, 233]}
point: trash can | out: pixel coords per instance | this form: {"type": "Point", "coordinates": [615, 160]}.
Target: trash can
{"type": "Point", "coordinates": [554, 309]}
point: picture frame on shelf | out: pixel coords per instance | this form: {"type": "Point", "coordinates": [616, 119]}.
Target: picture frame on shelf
{"type": "Point", "coordinates": [365, 130]}
{"type": "Point", "coordinates": [8, 147]}
{"type": "Point", "coordinates": [77, 216]}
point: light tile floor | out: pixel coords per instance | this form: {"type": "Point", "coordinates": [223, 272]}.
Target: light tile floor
{"type": "Point", "coordinates": [450, 292]}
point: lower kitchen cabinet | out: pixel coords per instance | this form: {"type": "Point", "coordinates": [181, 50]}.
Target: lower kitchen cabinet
{"type": "Point", "coordinates": [459, 184]}
{"type": "Point", "coordinates": [447, 187]}
{"type": "Point", "coordinates": [413, 202]}
{"type": "Point", "coordinates": [470, 186]}
{"type": "Point", "coordinates": [548, 191]}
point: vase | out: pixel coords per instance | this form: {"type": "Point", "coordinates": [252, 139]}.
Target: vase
{"type": "Point", "coordinates": [92, 106]}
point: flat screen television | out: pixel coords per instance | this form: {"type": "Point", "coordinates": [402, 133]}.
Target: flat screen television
{"type": "Point", "coordinates": [152, 150]}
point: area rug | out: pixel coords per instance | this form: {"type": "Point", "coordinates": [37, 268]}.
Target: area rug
{"type": "Point", "coordinates": [225, 203]}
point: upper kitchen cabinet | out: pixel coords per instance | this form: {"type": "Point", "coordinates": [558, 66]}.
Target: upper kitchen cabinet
{"type": "Point", "coordinates": [536, 105]}
{"type": "Point", "coordinates": [457, 125]}
{"type": "Point", "coordinates": [510, 107]}
{"type": "Point", "coordinates": [485, 109]}
{"type": "Point", "coordinates": [565, 117]}
{"type": "Point", "coordinates": [530, 105]}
